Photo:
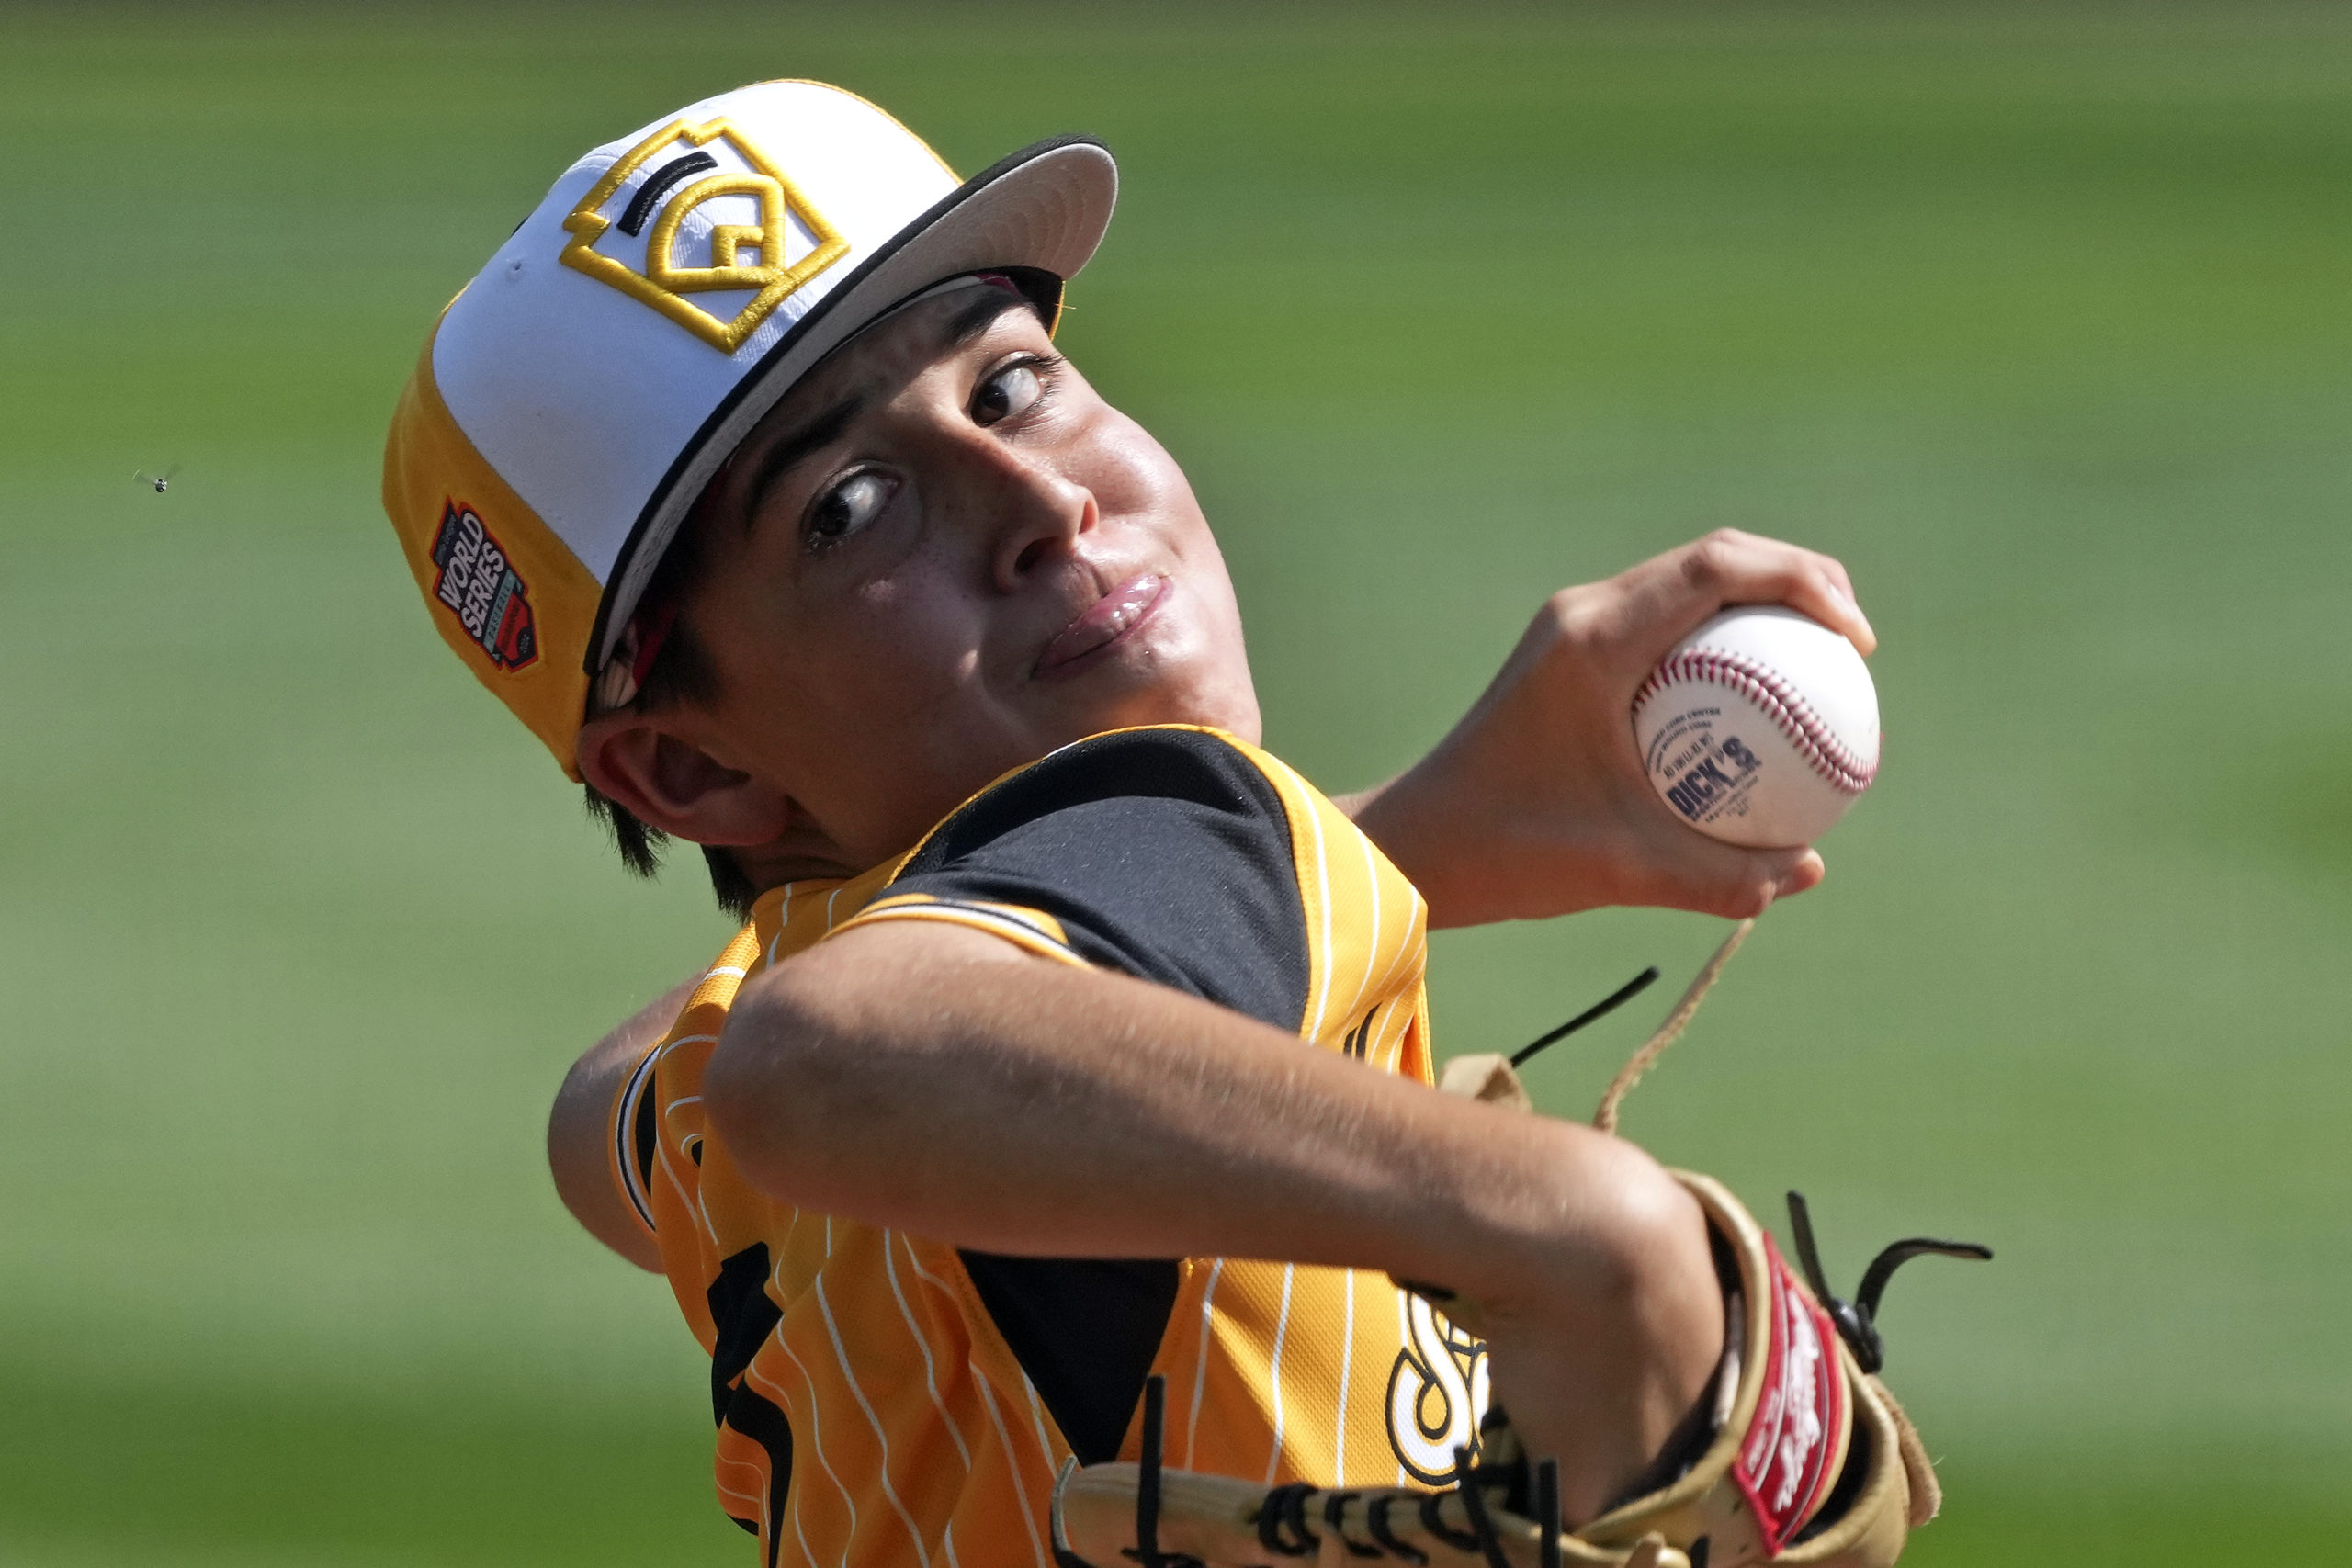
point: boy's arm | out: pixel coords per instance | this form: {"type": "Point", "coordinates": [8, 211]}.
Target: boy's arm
{"type": "Point", "coordinates": [579, 1128]}
{"type": "Point", "coordinates": [928, 1077]}
{"type": "Point", "coordinates": [1536, 804]}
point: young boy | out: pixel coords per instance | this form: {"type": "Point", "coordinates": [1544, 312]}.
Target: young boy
{"type": "Point", "coordinates": [1070, 1039]}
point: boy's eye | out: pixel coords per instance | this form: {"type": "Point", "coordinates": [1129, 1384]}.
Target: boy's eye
{"type": "Point", "coordinates": [1009, 391]}
{"type": "Point", "coordinates": [848, 507]}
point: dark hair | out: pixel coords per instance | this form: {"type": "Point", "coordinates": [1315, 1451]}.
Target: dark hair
{"type": "Point", "coordinates": [682, 674]}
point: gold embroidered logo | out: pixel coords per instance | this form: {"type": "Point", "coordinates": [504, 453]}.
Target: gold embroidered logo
{"type": "Point", "coordinates": [742, 255]}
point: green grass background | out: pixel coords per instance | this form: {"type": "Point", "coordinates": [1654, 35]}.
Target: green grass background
{"type": "Point", "coordinates": [2038, 317]}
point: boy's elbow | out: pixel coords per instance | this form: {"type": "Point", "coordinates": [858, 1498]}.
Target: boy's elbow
{"type": "Point", "coordinates": [831, 1060]}
{"type": "Point", "coordinates": [776, 1089]}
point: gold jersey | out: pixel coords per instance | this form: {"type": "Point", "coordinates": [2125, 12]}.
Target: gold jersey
{"type": "Point", "coordinates": [887, 1398]}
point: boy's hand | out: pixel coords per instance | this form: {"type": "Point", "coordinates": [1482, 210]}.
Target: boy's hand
{"type": "Point", "coordinates": [1536, 804]}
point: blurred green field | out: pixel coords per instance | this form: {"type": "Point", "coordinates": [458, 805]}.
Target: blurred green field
{"type": "Point", "coordinates": [2039, 317]}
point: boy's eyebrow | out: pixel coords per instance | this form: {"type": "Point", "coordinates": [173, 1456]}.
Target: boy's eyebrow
{"type": "Point", "coordinates": [780, 459]}
{"type": "Point", "coordinates": [976, 317]}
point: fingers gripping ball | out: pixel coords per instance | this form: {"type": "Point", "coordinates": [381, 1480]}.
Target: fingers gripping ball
{"type": "Point", "coordinates": [1760, 728]}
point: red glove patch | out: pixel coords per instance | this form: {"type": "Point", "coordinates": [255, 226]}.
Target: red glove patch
{"type": "Point", "coordinates": [1788, 1462]}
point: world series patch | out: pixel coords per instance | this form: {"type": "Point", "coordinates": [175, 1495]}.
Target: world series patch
{"type": "Point", "coordinates": [483, 588]}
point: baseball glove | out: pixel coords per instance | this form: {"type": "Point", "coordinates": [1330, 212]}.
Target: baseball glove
{"type": "Point", "coordinates": [1810, 1461]}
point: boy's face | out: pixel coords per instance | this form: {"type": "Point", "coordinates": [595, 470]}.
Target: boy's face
{"type": "Point", "coordinates": [940, 558]}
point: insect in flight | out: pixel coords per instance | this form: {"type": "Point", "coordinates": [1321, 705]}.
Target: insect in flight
{"type": "Point", "coordinates": [162, 482]}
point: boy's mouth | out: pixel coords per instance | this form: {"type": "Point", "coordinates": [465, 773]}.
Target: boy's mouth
{"type": "Point", "coordinates": [1105, 622]}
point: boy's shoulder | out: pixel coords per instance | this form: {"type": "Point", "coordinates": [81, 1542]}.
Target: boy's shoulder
{"type": "Point", "coordinates": [1143, 776]}
{"type": "Point", "coordinates": [1179, 854]}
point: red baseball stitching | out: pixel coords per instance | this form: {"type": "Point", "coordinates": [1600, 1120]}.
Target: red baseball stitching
{"type": "Point", "coordinates": [1781, 702]}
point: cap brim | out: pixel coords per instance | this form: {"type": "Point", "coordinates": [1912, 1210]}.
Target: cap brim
{"type": "Point", "coordinates": [1044, 208]}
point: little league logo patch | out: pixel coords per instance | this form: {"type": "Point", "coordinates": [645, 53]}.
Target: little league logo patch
{"type": "Point", "coordinates": [481, 588]}
{"type": "Point", "coordinates": [752, 217]}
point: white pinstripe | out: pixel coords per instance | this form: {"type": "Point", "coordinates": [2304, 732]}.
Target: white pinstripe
{"type": "Point", "coordinates": [783, 921]}
{"type": "Point", "coordinates": [1400, 1021]}
{"type": "Point", "coordinates": [1371, 948]}
{"type": "Point", "coordinates": [922, 1342]}
{"type": "Point", "coordinates": [1323, 877]}
{"type": "Point", "coordinates": [727, 1493]}
{"type": "Point", "coordinates": [1347, 1354]}
{"type": "Point", "coordinates": [702, 1212]}
{"type": "Point", "coordinates": [1274, 1369]}
{"type": "Point", "coordinates": [669, 1169]}
{"type": "Point", "coordinates": [841, 1354]}
{"type": "Point", "coordinates": [763, 1503]}
{"type": "Point", "coordinates": [792, 1496]}
{"type": "Point", "coordinates": [1005, 1440]}
{"type": "Point", "coordinates": [1404, 945]}
{"type": "Point", "coordinates": [662, 1146]}
{"type": "Point", "coordinates": [987, 1401]}
{"type": "Point", "coordinates": [1201, 1367]}
{"type": "Point", "coordinates": [942, 1286]}
{"type": "Point", "coordinates": [1037, 1422]}
{"type": "Point", "coordinates": [817, 1441]}
{"type": "Point", "coordinates": [1391, 1034]}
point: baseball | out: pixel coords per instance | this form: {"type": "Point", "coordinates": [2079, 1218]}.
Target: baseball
{"type": "Point", "coordinates": [1760, 728]}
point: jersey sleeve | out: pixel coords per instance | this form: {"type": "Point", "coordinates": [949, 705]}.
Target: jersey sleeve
{"type": "Point", "coordinates": [630, 1139]}
{"type": "Point", "coordinates": [1161, 853]}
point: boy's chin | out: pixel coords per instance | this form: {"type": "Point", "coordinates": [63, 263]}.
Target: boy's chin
{"type": "Point", "coordinates": [1227, 706]}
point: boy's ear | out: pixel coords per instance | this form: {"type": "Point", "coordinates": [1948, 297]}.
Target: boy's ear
{"type": "Point", "coordinates": [667, 782]}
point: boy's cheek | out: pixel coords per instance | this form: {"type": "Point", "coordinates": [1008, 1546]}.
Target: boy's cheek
{"type": "Point", "coordinates": [1133, 476]}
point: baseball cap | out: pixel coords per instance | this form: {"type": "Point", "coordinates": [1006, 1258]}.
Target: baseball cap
{"type": "Point", "coordinates": [574, 399]}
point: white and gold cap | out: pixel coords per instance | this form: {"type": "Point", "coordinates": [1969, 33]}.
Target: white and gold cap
{"type": "Point", "coordinates": [574, 399]}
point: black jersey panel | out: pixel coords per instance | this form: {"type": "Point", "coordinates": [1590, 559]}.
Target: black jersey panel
{"type": "Point", "coordinates": [1085, 1330]}
{"type": "Point", "coordinates": [1164, 854]}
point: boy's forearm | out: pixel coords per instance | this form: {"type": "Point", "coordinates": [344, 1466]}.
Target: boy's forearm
{"type": "Point", "coordinates": [934, 1079]}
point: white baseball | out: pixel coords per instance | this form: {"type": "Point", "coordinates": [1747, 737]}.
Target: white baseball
{"type": "Point", "coordinates": [1760, 728]}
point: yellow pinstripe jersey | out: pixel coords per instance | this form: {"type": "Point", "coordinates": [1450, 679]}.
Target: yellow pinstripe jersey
{"type": "Point", "coordinates": [885, 1398]}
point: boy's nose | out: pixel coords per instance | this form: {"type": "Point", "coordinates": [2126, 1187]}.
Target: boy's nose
{"type": "Point", "coordinates": [1036, 514]}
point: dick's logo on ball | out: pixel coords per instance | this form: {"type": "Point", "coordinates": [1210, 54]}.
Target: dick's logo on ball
{"type": "Point", "coordinates": [481, 588]}
{"type": "Point", "coordinates": [1711, 776]}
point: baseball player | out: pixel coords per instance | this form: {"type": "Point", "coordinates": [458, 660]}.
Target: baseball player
{"type": "Point", "coordinates": [1071, 1044]}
